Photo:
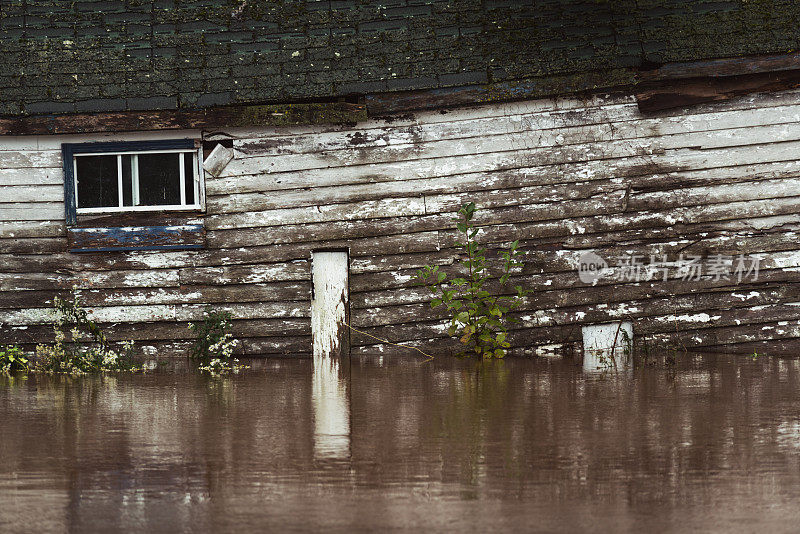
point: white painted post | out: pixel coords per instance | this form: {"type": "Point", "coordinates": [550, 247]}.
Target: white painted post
{"type": "Point", "coordinates": [331, 346]}
{"type": "Point", "coordinates": [605, 344]}
{"type": "Point", "coordinates": [331, 303]}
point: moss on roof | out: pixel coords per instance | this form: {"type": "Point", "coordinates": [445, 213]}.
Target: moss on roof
{"type": "Point", "coordinates": [62, 56]}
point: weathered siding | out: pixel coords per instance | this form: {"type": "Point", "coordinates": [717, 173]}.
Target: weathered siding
{"type": "Point", "coordinates": [564, 176]}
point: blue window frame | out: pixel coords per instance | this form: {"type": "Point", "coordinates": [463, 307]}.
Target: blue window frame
{"type": "Point", "coordinates": [115, 177]}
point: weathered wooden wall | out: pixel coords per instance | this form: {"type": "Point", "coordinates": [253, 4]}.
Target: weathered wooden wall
{"type": "Point", "coordinates": [563, 176]}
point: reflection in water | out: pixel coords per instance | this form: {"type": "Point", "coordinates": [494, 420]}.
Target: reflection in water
{"type": "Point", "coordinates": [450, 444]}
{"type": "Point", "coordinates": [331, 409]}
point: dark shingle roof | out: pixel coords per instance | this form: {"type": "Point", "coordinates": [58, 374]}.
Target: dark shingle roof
{"type": "Point", "coordinates": [60, 56]}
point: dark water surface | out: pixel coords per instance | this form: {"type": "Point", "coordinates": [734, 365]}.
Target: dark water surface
{"type": "Point", "coordinates": [533, 445]}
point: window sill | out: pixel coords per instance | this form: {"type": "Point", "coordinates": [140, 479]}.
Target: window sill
{"type": "Point", "coordinates": [136, 209]}
{"type": "Point", "coordinates": [137, 231]}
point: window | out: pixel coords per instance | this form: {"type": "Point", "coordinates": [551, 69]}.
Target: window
{"type": "Point", "coordinates": [130, 177]}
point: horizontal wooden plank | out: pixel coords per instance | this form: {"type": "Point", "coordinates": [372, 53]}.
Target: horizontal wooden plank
{"type": "Point", "coordinates": [719, 193]}
{"type": "Point", "coordinates": [32, 245]}
{"type": "Point", "coordinates": [26, 261]}
{"type": "Point", "coordinates": [733, 335]}
{"type": "Point", "coordinates": [30, 193]}
{"type": "Point", "coordinates": [162, 313]}
{"type": "Point", "coordinates": [657, 96]}
{"type": "Point", "coordinates": [109, 279]}
{"type": "Point", "coordinates": [186, 294]}
{"type": "Point", "coordinates": [176, 352]}
{"type": "Point", "coordinates": [417, 235]}
{"type": "Point", "coordinates": [376, 209]}
{"type": "Point", "coordinates": [437, 347]}
{"type": "Point", "coordinates": [164, 331]}
{"type": "Point", "coordinates": [31, 176]}
{"type": "Point", "coordinates": [26, 228]}
{"type": "Point", "coordinates": [722, 67]}
{"type": "Point", "coordinates": [186, 236]}
{"type": "Point", "coordinates": [32, 211]}
{"type": "Point", "coordinates": [204, 118]}
{"type": "Point", "coordinates": [22, 159]}
{"type": "Point", "coordinates": [296, 347]}
{"type": "Point", "coordinates": [146, 218]}
{"type": "Point", "coordinates": [247, 274]}
{"type": "Point", "coordinates": [727, 120]}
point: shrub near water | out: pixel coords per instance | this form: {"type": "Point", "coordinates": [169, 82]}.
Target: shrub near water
{"type": "Point", "coordinates": [215, 344]}
{"type": "Point", "coordinates": [80, 345]}
{"type": "Point", "coordinates": [12, 360]}
{"type": "Point", "coordinates": [478, 318]}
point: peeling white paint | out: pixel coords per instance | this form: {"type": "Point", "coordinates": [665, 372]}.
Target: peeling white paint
{"type": "Point", "coordinates": [328, 309]}
{"type": "Point", "coordinates": [689, 318]}
{"type": "Point", "coordinates": [752, 294]}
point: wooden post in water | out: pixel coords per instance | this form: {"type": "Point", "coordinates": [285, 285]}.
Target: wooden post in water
{"type": "Point", "coordinates": [606, 345]}
{"type": "Point", "coordinates": [330, 315]}
{"type": "Point", "coordinates": [330, 307]}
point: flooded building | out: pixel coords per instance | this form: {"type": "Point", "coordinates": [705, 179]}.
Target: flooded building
{"type": "Point", "coordinates": [169, 156]}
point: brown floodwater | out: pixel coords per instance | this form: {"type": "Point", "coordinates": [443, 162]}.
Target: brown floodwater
{"type": "Point", "coordinates": [533, 445]}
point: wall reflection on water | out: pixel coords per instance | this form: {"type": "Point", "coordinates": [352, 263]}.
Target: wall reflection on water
{"type": "Point", "coordinates": [331, 407]}
{"type": "Point", "coordinates": [534, 441]}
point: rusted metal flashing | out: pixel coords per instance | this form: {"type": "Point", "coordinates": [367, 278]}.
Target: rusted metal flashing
{"type": "Point", "coordinates": [207, 118]}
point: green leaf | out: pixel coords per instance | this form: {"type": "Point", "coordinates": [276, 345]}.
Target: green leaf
{"type": "Point", "coordinates": [469, 210]}
{"type": "Point", "coordinates": [462, 227]}
{"type": "Point", "coordinates": [441, 277]}
{"type": "Point", "coordinates": [436, 302]}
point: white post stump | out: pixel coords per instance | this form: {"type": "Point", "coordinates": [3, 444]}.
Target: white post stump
{"type": "Point", "coordinates": [605, 345]}
{"type": "Point", "coordinates": [330, 315]}
{"type": "Point", "coordinates": [330, 306]}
